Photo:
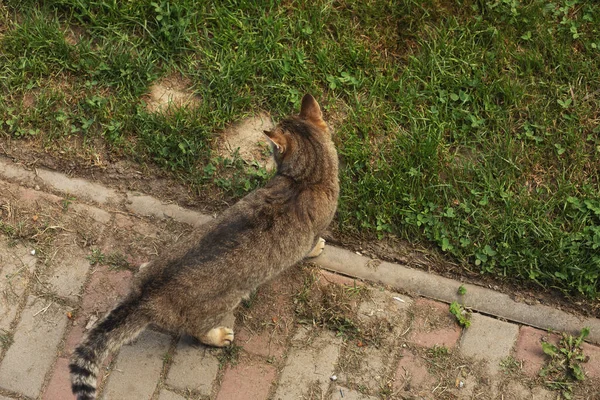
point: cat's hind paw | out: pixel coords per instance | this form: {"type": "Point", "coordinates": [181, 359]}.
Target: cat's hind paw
{"type": "Point", "coordinates": [318, 249]}
{"type": "Point", "coordinates": [218, 337]}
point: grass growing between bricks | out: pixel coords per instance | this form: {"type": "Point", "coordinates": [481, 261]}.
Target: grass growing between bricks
{"type": "Point", "coordinates": [472, 125]}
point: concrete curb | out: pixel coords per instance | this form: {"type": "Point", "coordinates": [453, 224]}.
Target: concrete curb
{"type": "Point", "coordinates": [335, 259]}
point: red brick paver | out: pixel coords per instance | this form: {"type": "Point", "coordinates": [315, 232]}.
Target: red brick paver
{"type": "Point", "coordinates": [412, 375]}
{"type": "Point", "coordinates": [434, 325]}
{"type": "Point", "coordinates": [247, 380]}
{"type": "Point", "coordinates": [60, 383]}
{"type": "Point", "coordinates": [592, 366]}
{"type": "Point", "coordinates": [529, 349]}
{"type": "Point", "coordinates": [103, 291]}
{"type": "Point", "coordinates": [262, 344]}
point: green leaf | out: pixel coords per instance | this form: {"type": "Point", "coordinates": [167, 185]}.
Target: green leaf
{"type": "Point", "coordinates": [578, 372]}
{"type": "Point", "coordinates": [549, 349]}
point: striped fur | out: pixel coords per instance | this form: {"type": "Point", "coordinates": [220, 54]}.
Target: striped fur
{"type": "Point", "coordinates": [119, 326]}
{"type": "Point", "coordinates": [194, 285]}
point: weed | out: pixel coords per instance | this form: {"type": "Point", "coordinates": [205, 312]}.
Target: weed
{"type": "Point", "coordinates": [66, 202]}
{"type": "Point", "coordinates": [229, 355]}
{"type": "Point", "coordinates": [438, 352]}
{"type": "Point", "coordinates": [510, 365]}
{"type": "Point", "coordinates": [463, 317]}
{"type": "Point", "coordinates": [117, 261]}
{"type": "Point", "coordinates": [462, 290]}
{"type": "Point", "coordinates": [96, 257]}
{"type": "Point", "coordinates": [6, 339]}
{"type": "Point", "coordinates": [564, 366]}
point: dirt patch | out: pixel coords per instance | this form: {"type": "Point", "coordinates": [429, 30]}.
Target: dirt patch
{"type": "Point", "coordinates": [170, 92]}
{"type": "Point", "coordinates": [247, 141]}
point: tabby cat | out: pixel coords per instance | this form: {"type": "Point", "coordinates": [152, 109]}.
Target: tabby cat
{"type": "Point", "coordinates": [202, 279]}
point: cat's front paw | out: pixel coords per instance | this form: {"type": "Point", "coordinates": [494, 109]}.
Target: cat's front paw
{"type": "Point", "coordinates": [218, 337]}
{"type": "Point", "coordinates": [318, 249]}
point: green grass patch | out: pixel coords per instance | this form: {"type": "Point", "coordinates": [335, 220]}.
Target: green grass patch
{"type": "Point", "coordinates": [469, 124]}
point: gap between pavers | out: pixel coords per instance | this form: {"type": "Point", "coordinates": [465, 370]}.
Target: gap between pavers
{"type": "Point", "coordinates": [335, 259]}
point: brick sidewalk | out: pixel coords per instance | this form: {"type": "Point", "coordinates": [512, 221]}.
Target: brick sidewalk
{"type": "Point", "coordinates": [51, 292]}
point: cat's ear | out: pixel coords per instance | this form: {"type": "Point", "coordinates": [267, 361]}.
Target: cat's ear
{"type": "Point", "coordinates": [278, 139]}
{"type": "Point", "coordinates": [310, 110]}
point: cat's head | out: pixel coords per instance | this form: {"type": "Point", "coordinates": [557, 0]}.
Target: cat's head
{"type": "Point", "coordinates": [299, 142]}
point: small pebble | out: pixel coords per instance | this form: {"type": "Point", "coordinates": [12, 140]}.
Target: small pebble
{"type": "Point", "coordinates": [333, 378]}
{"type": "Point", "coordinates": [32, 252]}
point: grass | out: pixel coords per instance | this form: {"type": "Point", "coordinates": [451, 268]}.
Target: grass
{"type": "Point", "coordinates": [469, 124]}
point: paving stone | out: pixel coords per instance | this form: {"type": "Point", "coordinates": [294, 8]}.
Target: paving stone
{"type": "Point", "coordinates": [34, 347]}
{"type": "Point", "coordinates": [148, 205]}
{"type": "Point", "coordinates": [433, 325]}
{"type": "Point", "coordinates": [364, 366]}
{"type": "Point", "coordinates": [311, 361]}
{"type": "Point", "coordinates": [138, 367]}
{"type": "Point", "coordinates": [412, 375]}
{"type": "Point", "coordinates": [98, 214]}
{"type": "Point", "coordinates": [262, 344]}
{"type": "Point", "coordinates": [342, 393]}
{"type": "Point", "coordinates": [592, 367]}
{"type": "Point", "coordinates": [194, 367]}
{"type": "Point", "coordinates": [489, 339]}
{"type": "Point", "coordinates": [79, 187]}
{"type": "Point", "coordinates": [247, 380]}
{"type": "Point", "coordinates": [337, 259]}
{"type": "Point", "coordinates": [338, 279]}
{"type": "Point", "coordinates": [528, 349]}
{"type": "Point", "coordinates": [59, 386]}
{"type": "Point", "coordinates": [166, 395]}
{"type": "Point", "coordinates": [69, 270]}
{"type": "Point", "coordinates": [16, 265]}
{"type": "Point", "coordinates": [10, 170]}
{"type": "Point", "coordinates": [539, 393]}
{"type": "Point", "coordinates": [101, 294]}
{"type": "Point", "coordinates": [31, 197]}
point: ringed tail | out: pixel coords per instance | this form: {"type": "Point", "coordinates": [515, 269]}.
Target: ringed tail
{"type": "Point", "coordinates": [121, 325]}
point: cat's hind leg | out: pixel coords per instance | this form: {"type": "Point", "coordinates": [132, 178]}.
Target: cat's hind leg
{"type": "Point", "coordinates": [220, 336]}
{"type": "Point", "coordinates": [318, 249]}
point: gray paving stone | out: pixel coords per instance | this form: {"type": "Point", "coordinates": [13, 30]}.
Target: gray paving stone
{"type": "Point", "coordinates": [69, 268]}
{"type": "Point", "coordinates": [365, 366]}
{"type": "Point", "coordinates": [311, 361]}
{"type": "Point", "coordinates": [16, 265]}
{"type": "Point", "coordinates": [34, 347]}
{"type": "Point", "coordinates": [488, 339]}
{"type": "Point", "coordinates": [15, 172]}
{"type": "Point", "coordinates": [138, 368]}
{"type": "Point", "coordinates": [79, 187]}
{"type": "Point", "coordinates": [166, 395]}
{"type": "Point", "coordinates": [148, 205]}
{"type": "Point", "coordinates": [342, 393]}
{"type": "Point", "coordinates": [194, 367]}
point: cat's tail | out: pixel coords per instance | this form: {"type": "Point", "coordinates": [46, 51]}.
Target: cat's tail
{"type": "Point", "coordinates": [119, 326]}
